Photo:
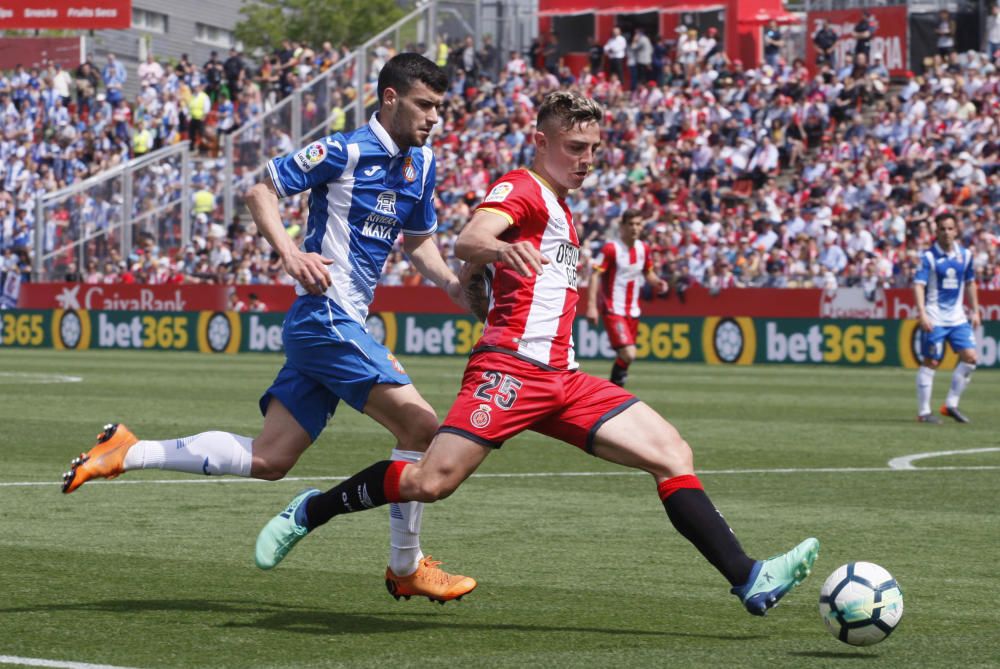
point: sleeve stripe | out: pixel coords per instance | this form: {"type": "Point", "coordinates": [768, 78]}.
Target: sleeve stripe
{"type": "Point", "coordinates": [422, 233]}
{"type": "Point", "coordinates": [428, 161]}
{"type": "Point", "coordinates": [273, 173]}
{"type": "Point", "coordinates": [510, 219]}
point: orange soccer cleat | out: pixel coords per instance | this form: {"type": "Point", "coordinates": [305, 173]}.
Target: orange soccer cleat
{"type": "Point", "coordinates": [103, 461]}
{"type": "Point", "coordinates": [429, 581]}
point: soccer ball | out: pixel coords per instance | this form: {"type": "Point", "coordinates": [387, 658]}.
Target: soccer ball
{"type": "Point", "coordinates": [861, 603]}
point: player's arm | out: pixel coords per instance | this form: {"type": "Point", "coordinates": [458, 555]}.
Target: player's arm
{"type": "Point", "coordinates": [919, 294]}
{"type": "Point", "coordinates": [970, 287]}
{"type": "Point", "coordinates": [426, 257]}
{"type": "Point", "coordinates": [656, 281]}
{"type": "Point", "coordinates": [919, 290]}
{"type": "Point", "coordinates": [479, 243]}
{"type": "Point", "coordinates": [309, 269]}
{"type": "Point", "coordinates": [596, 276]}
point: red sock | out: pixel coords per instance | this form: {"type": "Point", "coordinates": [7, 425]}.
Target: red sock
{"type": "Point", "coordinates": [672, 485]}
{"type": "Point", "coordinates": [391, 481]}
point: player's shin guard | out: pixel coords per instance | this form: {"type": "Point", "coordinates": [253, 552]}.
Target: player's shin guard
{"type": "Point", "coordinates": [925, 384]}
{"type": "Point", "coordinates": [404, 526]}
{"type": "Point", "coordinates": [209, 453]}
{"type": "Point", "coordinates": [376, 486]}
{"type": "Point", "coordinates": [696, 518]}
{"type": "Point", "coordinates": [959, 380]}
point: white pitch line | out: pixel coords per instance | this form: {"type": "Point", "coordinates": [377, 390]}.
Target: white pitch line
{"type": "Point", "coordinates": [59, 664]}
{"type": "Point", "coordinates": [32, 377]}
{"type": "Point", "coordinates": [527, 475]}
{"type": "Point", "coordinates": [905, 462]}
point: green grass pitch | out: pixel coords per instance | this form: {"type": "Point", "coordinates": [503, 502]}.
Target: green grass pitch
{"type": "Point", "coordinates": [574, 571]}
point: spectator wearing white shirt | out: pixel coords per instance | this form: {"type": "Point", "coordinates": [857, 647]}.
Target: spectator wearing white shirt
{"type": "Point", "coordinates": [151, 73]}
{"type": "Point", "coordinates": [615, 49]}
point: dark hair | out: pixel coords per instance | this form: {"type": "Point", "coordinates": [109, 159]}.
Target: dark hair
{"type": "Point", "coordinates": [569, 109]}
{"type": "Point", "coordinates": [405, 69]}
{"type": "Point", "coordinates": [630, 214]}
{"type": "Point", "coordinates": [944, 216]}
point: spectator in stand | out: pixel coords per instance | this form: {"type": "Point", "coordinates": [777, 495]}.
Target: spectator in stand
{"type": "Point", "coordinates": [993, 32]}
{"type": "Point", "coordinates": [945, 32]}
{"type": "Point", "coordinates": [773, 43]}
{"type": "Point", "coordinates": [643, 49]}
{"type": "Point", "coordinates": [235, 72]}
{"type": "Point", "coordinates": [151, 73]}
{"type": "Point", "coordinates": [114, 76]}
{"type": "Point", "coordinates": [864, 30]}
{"type": "Point", "coordinates": [595, 55]}
{"type": "Point", "coordinates": [615, 49]}
{"type": "Point", "coordinates": [825, 41]}
{"type": "Point", "coordinates": [198, 109]}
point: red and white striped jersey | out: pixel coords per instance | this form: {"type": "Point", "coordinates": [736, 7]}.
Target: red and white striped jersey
{"type": "Point", "coordinates": [622, 271]}
{"type": "Point", "coordinates": [532, 317]}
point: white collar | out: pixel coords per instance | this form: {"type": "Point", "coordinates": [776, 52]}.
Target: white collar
{"type": "Point", "coordinates": [383, 136]}
{"type": "Point", "coordinates": [954, 250]}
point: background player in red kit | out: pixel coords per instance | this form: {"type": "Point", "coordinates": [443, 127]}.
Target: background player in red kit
{"type": "Point", "coordinates": [619, 271]}
{"type": "Point", "coordinates": [522, 374]}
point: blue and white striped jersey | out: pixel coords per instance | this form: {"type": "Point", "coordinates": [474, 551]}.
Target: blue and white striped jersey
{"type": "Point", "coordinates": [364, 190]}
{"type": "Point", "coordinates": [945, 275]}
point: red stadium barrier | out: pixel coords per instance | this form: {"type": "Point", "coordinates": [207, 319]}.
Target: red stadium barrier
{"type": "Point", "coordinates": [697, 301]}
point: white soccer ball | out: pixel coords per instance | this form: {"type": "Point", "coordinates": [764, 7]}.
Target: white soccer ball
{"type": "Point", "coordinates": [861, 603]}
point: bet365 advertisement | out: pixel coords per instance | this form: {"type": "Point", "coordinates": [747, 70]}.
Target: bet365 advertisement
{"type": "Point", "coordinates": [712, 340]}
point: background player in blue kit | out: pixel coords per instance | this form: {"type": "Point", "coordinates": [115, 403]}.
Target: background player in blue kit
{"type": "Point", "coordinates": [945, 275]}
{"type": "Point", "coordinates": [366, 187]}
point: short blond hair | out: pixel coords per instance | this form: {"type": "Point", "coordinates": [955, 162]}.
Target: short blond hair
{"type": "Point", "coordinates": [568, 110]}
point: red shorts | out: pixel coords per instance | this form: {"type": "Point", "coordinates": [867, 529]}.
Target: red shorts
{"type": "Point", "coordinates": [621, 330]}
{"type": "Point", "coordinates": [502, 396]}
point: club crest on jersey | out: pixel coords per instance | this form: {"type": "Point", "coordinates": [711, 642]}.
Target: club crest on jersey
{"type": "Point", "coordinates": [311, 156]}
{"type": "Point", "coordinates": [480, 418]}
{"type": "Point", "coordinates": [500, 192]}
{"type": "Point", "coordinates": [395, 363]}
{"type": "Point", "coordinates": [409, 171]}
{"type": "Point", "coordinates": [386, 202]}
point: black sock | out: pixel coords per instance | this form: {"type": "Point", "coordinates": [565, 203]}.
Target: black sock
{"type": "Point", "coordinates": [695, 517]}
{"type": "Point", "coordinates": [364, 490]}
{"type": "Point", "coordinates": [619, 372]}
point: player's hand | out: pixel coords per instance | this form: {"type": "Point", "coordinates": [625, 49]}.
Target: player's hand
{"type": "Point", "coordinates": [309, 269]}
{"type": "Point", "coordinates": [925, 323]}
{"type": "Point", "coordinates": [592, 314]}
{"type": "Point", "coordinates": [662, 287]}
{"type": "Point", "coordinates": [523, 258]}
{"type": "Point", "coordinates": [977, 320]}
{"type": "Point", "coordinates": [457, 294]}
{"type": "Point", "coordinates": [472, 282]}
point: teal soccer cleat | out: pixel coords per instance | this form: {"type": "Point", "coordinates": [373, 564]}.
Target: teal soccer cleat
{"type": "Point", "coordinates": [773, 578]}
{"type": "Point", "coordinates": [282, 532]}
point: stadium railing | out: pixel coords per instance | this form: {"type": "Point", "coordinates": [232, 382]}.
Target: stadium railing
{"type": "Point", "coordinates": [307, 114]}
{"type": "Point", "coordinates": [110, 211]}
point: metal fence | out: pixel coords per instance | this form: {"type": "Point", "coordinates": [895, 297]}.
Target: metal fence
{"type": "Point", "coordinates": [148, 202]}
{"type": "Point", "coordinates": [104, 218]}
{"type": "Point", "coordinates": [341, 98]}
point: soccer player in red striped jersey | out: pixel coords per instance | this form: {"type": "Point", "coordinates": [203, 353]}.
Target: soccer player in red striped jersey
{"type": "Point", "coordinates": [522, 374]}
{"type": "Point", "coordinates": [619, 271]}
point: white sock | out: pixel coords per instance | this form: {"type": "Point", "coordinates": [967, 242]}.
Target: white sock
{"type": "Point", "coordinates": [959, 380]}
{"type": "Point", "coordinates": [208, 453]}
{"type": "Point", "coordinates": [404, 526]}
{"type": "Point", "coordinates": [925, 384]}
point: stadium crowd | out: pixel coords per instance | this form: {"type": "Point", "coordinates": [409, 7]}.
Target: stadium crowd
{"type": "Point", "coordinates": [770, 176]}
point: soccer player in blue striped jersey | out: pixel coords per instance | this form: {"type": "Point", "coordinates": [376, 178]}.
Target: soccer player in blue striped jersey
{"type": "Point", "coordinates": [365, 188]}
{"type": "Point", "coordinates": [945, 277]}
